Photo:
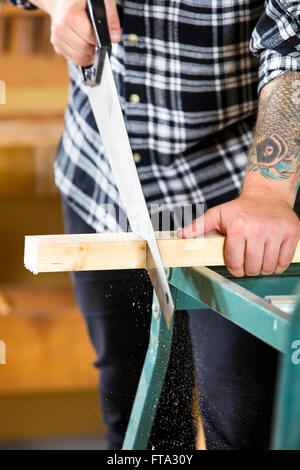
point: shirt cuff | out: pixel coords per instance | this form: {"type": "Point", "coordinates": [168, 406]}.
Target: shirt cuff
{"type": "Point", "coordinates": [273, 64]}
{"type": "Point", "coordinates": [276, 39]}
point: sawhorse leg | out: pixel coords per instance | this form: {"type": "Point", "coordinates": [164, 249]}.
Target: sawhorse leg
{"type": "Point", "coordinates": [286, 431]}
{"type": "Point", "coordinates": [151, 382]}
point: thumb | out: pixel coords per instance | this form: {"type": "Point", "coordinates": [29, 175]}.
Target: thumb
{"type": "Point", "coordinates": [113, 20]}
{"type": "Point", "coordinates": [206, 223]}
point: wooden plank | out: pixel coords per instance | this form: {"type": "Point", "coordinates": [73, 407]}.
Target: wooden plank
{"type": "Point", "coordinates": [47, 346]}
{"type": "Point", "coordinates": [101, 251]}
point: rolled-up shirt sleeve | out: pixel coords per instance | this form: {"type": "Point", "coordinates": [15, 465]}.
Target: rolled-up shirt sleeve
{"type": "Point", "coordinates": [276, 39]}
{"type": "Point", "coordinates": [23, 4]}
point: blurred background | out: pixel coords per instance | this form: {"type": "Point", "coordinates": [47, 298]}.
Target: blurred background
{"type": "Point", "coordinates": [48, 396]}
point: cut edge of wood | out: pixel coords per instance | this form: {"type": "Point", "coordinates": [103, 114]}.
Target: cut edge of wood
{"type": "Point", "coordinates": [31, 254]}
{"type": "Point", "coordinates": [123, 250]}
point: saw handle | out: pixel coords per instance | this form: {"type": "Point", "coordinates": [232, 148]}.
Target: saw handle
{"type": "Point", "coordinates": [91, 75]}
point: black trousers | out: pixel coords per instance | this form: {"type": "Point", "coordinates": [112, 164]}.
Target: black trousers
{"type": "Point", "coordinates": [235, 372]}
{"type": "Point", "coordinates": [116, 306]}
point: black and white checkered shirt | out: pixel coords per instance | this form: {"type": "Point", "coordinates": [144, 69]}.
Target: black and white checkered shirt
{"type": "Point", "coordinates": [188, 87]}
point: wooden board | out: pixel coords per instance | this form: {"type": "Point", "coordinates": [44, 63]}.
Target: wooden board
{"type": "Point", "coordinates": [101, 251]}
{"type": "Point", "coordinates": [117, 251]}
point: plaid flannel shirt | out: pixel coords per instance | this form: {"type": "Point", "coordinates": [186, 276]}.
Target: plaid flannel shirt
{"type": "Point", "coordinates": [188, 87]}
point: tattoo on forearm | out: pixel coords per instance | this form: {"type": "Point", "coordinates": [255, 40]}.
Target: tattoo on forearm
{"type": "Point", "coordinates": [275, 153]}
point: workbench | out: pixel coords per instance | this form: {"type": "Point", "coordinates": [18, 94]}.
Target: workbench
{"type": "Point", "coordinates": [240, 300]}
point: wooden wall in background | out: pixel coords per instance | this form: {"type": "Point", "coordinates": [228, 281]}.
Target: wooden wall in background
{"type": "Point", "coordinates": [48, 385]}
{"type": "Point", "coordinates": [31, 123]}
{"type": "Point", "coordinates": [47, 344]}
{"type": "Point", "coordinates": [25, 49]}
{"type": "Point", "coordinates": [36, 77]}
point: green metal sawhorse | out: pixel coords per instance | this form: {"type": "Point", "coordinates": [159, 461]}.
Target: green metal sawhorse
{"type": "Point", "coordinates": [240, 300]}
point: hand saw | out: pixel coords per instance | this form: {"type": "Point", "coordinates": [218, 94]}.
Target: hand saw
{"type": "Point", "coordinates": [102, 92]}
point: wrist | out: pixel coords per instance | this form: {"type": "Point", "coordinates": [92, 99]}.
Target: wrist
{"type": "Point", "coordinates": [257, 187]}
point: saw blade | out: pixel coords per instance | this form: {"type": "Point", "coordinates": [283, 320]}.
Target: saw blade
{"type": "Point", "coordinates": [110, 122]}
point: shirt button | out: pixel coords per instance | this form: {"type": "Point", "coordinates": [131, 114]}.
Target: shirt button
{"type": "Point", "coordinates": [137, 157]}
{"type": "Point", "coordinates": [135, 99]}
{"type": "Point", "coordinates": [133, 38]}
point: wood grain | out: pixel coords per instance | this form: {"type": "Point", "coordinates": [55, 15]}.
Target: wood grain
{"type": "Point", "coordinates": [101, 251]}
{"type": "Point", "coordinates": [117, 251]}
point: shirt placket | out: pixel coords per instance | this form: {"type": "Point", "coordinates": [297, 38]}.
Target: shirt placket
{"type": "Point", "coordinates": [134, 65]}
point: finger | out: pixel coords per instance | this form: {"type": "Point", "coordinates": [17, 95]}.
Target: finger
{"type": "Point", "coordinates": [113, 20]}
{"type": "Point", "coordinates": [287, 252]}
{"type": "Point", "coordinates": [254, 255]}
{"type": "Point", "coordinates": [235, 254]}
{"type": "Point", "coordinates": [82, 26]}
{"type": "Point", "coordinates": [65, 34]}
{"type": "Point", "coordinates": [73, 55]}
{"type": "Point", "coordinates": [271, 256]}
{"type": "Point", "coordinates": [206, 223]}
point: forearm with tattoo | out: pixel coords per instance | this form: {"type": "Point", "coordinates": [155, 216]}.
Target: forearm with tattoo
{"type": "Point", "coordinates": [275, 152]}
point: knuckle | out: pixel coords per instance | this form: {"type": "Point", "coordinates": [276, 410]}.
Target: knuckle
{"type": "Point", "coordinates": [275, 229]}
{"type": "Point", "coordinates": [238, 225]}
{"type": "Point", "coordinates": [293, 230]}
{"type": "Point", "coordinates": [257, 228]}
